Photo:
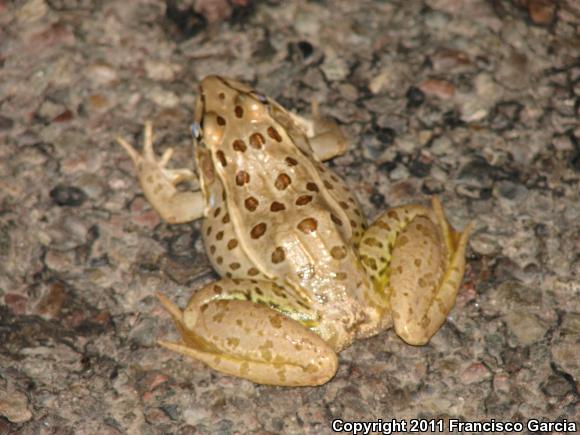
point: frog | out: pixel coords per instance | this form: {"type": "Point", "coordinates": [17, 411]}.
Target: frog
{"type": "Point", "coordinates": [302, 273]}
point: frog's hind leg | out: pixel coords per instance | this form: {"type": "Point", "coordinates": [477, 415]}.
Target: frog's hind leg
{"type": "Point", "coordinates": [415, 257]}
{"type": "Point", "coordinates": [160, 184]}
{"type": "Point", "coordinates": [224, 327]}
{"type": "Point", "coordinates": [325, 136]}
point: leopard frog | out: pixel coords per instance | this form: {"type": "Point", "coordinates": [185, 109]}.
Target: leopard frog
{"type": "Point", "coordinates": [302, 275]}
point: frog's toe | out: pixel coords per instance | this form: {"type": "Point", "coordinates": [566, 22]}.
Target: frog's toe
{"type": "Point", "coordinates": [133, 153]}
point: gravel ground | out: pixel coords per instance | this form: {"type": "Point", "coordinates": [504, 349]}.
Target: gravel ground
{"type": "Point", "coordinates": [476, 101]}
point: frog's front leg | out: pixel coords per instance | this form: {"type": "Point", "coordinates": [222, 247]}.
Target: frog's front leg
{"type": "Point", "coordinates": [418, 260]}
{"type": "Point", "coordinates": [226, 330]}
{"type": "Point", "coordinates": [325, 136]}
{"type": "Point", "coordinates": [159, 183]}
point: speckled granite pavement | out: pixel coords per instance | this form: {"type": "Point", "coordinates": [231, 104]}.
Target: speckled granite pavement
{"type": "Point", "coordinates": [476, 101]}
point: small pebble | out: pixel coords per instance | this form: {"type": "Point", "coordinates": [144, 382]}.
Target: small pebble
{"type": "Point", "coordinates": [476, 372]}
{"type": "Point", "coordinates": [14, 406]}
{"type": "Point", "coordinates": [437, 88]}
{"type": "Point", "coordinates": [415, 97]}
{"type": "Point", "coordinates": [525, 327]}
{"type": "Point", "coordinates": [6, 123]}
{"type": "Point", "coordinates": [68, 196]}
{"type": "Point", "coordinates": [102, 73]}
{"type": "Point", "coordinates": [542, 12]}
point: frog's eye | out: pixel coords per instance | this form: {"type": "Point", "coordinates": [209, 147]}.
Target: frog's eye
{"type": "Point", "coordinates": [196, 130]}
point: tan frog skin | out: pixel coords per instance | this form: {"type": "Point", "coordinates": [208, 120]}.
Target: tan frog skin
{"type": "Point", "coordinates": [302, 276]}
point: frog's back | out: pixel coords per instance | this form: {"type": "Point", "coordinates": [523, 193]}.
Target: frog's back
{"type": "Point", "coordinates": [280, 199]}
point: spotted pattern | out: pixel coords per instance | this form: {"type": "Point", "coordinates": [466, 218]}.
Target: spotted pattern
{"type": "Point", "coordinates": [277, 206]}
{"type": "Point", "coordinates": [242, 178]}
{"type": "Point", "coordinates": [239, 145]}
{"type": "Point", "coordinates": [308, 225]}
{"type": "Point", "coordinates": [278, 255]}
{"type": "Point", "coordinates": [251, 203]}
{"type": "Point", "coordinates": [282, 181]}
{"type": "Point", "coordinates": [257, 141]}
{"type": "Point", "coordinates": [258, 230]}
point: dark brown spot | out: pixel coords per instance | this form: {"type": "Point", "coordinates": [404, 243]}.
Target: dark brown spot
{"type": "Point", "coordinates": [369, 262]}
{"type": "Point", "coordinates": [336, 220]}
{"type": "Point", "coordinates": [251, 203]}
{"type": "Point", "coordinates": [258, 230]}
{"type": "Point", "coordinates": [338, 252]}
{"type": "Point", "coordinates": [278, 255]}
{"type": "Point", "coordinates": [371, 241]}
{"type": "Point", "coordinates": [312, 187]}
{"type": "Point", "coordinates": [235, 266]}
{"type": "Point", "coordinates": [221, 121]}
{"type": "Point", "coordinates": [217, 289]}
{"type": "Point", "coordinates": [353, 224]}
{"type": "Point", "coordinates": [343, 204]}
{"type": "Point", "coordinates": [221, 157]}
{"type": "Point", "coordinates": [257, 140]}
{"type": "Point", "coordinates": [383, 225]}
{"type": "Point", "coordinates": [282, 181]}
{"type": "Point", "coordinates": [252, 271]}
{"type": "Point", "coordinates": [222, 96]}
{"type": "Point", "coordinates": [393, 214]}
{"type": "Point", "coordinates": [328, 185]}
{"type": "Point", "coordinates": [308, 225]}
{"type": "Point", "coordinates": [226, 219]}
{"type": "Point", "coordinates": [303, 200]}
{"type": "Point", "coordinates": [239, 145]}
{"type": "Point", "coordinates": [212, 249]}
{"type": "Point", "coordinates": [239, 112]}
{"type": "Point", "coordinates": [219, 260]}
{"type": "Point", "coordinates": [277, 206]}
{"type": "Point", "coordinates": [232, 244]}
{"type": "Point", "coordinates": [242, 177]}
{"type": "Point", "coordinates": [208, 231]}
{"type": "Point", "coordinates": [219, 235]}
{"type": "Point", "coordinates": [217, 212]}
{"type": "Point", "coordinates": [276, 321]}
{"type": "Point", "coordinates": [273, 133]}
{"type": "Point", "coordinates": [291, 162]}
{"type": "Point", "coordinates": [402, 241]}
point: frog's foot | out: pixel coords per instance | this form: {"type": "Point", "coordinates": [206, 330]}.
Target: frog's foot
{"type": "Point", "coordinates": [418, 260]}
{"type": "Point", "coordinates": [325, 136]}
{"type": "Point", "coordinates": [159, 183]}
{"type": "Point", "coordinates": [247, 339]}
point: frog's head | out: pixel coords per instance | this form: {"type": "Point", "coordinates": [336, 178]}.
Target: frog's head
{"type": "Point", "coordinates": [222, 104]}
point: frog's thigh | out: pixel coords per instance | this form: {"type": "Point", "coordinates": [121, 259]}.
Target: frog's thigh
{"type": "Point", "coordinates": [425, 277]}
{"type": "Point", "coordinates": [159, 183]}
{"type": "Point", "coordinates": [250, 340]}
